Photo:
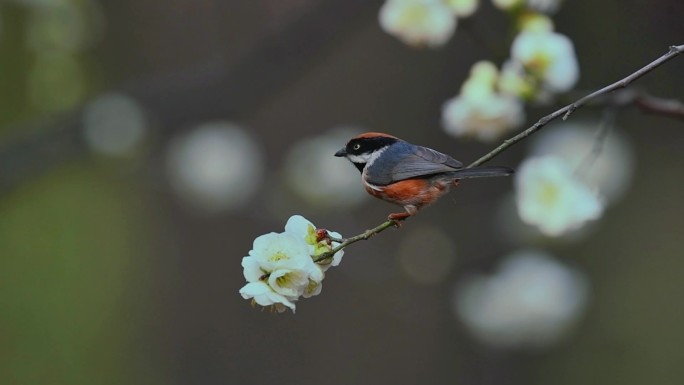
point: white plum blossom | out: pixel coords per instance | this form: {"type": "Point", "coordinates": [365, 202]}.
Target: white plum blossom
{"type": "Point", "coordinates": [317, 245]}
{"type": "Point", "coordinates": [549, 57]}
{"type": "Point", "coordinates": [515, 81]}
{"type": "Point", "coordinates": [480, 110]}
{"type": "Point", "coordinates": [531, 301]}
{"type": "Point", "coordinates": [263, 295]}
{"type": "Point", "coordinates": [283, 262]}
{"type": "Point", "coordinates": [545, 6]}
{"type": "Point", "coordinates": [550, 196]}
{"type": "Point", "coordinates": [604, 164]}
{"type": "Point", "coordinates": [463, 8]}
{"type": "Point", "coordinates": [300, 227]}
{"type": "Point", "coordinates": [418, 22]}
{"type": "Point", "coordinates": [506, 5]}
{"type": "Point", "coordinates": [280, 268]}
{"type": "Point", "coordinates": [215, 167]}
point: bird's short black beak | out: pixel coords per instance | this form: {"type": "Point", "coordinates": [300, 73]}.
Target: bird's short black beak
{"type": "Point", "coordinates": [341, 152]}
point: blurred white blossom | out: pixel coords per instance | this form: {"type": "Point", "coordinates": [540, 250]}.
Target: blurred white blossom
{"type": "Point", "coordinates": [535, 22]}
{"type": "Point", "coordinates": [310, 162]}
{"type": "Point", "coordinates": [506, 5]}
{"type": "Point", "coordinates": [515, 81]}
{"type": "Point", "coordinates": [215, 167]}
{"type": "Point", "coordinates": [463, 8]}
{"type": "Point", "coordinates": [549, 57]}
{"type": "Point", "coordinates": [418, 22]}
{"type": "Point", "coordinates": [280, 268]}
{"type": "Point", "coordinates": [545, 6]}
{"type": "Point", "coordinates": [551, 197]}
{"type": "Point", "coordinates": [114, 124]}
{"type": "Point", "coordinates": [480, 110]}
{"type": "Point", "coordinates": [605, 163]}
{"type": "Point", "coordinates": [531, 301]}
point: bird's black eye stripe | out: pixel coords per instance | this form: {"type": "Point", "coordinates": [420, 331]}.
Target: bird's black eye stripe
{"type": "Point", "coordinates": [364, 145]}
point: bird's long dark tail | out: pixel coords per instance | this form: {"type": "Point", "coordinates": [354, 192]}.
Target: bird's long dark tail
{"type": "Point", "coordinates": [482, 172]}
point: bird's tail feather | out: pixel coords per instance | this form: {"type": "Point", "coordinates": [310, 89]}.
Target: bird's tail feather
{"type": "Point", "coordinates": [482, 172]}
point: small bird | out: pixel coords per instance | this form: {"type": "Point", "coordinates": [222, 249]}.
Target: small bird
{"type": "Point", "coordinates": [405, 174]}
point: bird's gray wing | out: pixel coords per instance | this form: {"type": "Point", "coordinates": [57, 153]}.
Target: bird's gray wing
{"type": "Point", "coordinates": [406, 161]}
{"type": "Point", "coordinates": [423, 161]}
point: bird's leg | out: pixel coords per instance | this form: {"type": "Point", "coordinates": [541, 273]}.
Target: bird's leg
{"type": "Point", "coordinates": [397, 217]}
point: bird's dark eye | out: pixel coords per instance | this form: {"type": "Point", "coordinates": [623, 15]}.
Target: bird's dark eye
{"type": "Point", "coordinates": [356, 146]}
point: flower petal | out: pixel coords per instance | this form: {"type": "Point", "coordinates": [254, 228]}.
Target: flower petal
{"type": "Point", "coordinates": [264, 296]}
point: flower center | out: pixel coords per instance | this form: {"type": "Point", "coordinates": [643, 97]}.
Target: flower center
{"type": "Point", "coordinates": [279, 255]}
{"type": "Point", "coordinates": [413, 15]}
{"type": "Point", "coordinates": [549, 194]}
{"type": "Point", "coordinates": [283, 280]}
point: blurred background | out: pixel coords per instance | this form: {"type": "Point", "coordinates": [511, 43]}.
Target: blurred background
{"type": "Point", "coordinates": [145, 144]}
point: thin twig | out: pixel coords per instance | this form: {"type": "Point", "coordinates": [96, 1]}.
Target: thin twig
{"type": "Point", "coordinates": [361, 237]}
{"type": "Point", "coordinates": [570, 108]}
{"type": "Point", "coordinates": [607, 124]}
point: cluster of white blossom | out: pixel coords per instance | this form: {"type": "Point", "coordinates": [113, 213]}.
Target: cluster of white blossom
{"type": "Point", "coordinates": [424, 22]}
{"type": "Point", "coordinates": [281, 267]}
{"type": "Point", "coordinates": [480, 110]}
{"type": "Point", "coordinates": [433, 22]}
{"type": "Point", "coordinates": [542, 62]}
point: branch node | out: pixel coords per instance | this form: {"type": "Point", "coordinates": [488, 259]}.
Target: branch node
{"type": "Point", "coordinates": [571, 109]}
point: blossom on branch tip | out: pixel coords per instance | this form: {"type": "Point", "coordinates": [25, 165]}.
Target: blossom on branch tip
{"type": "Point", "coordinates": [280, 268]}
{"type": "Point", "coordinates": [418, 22]}
{"type": "Point", "coordinates": [301, 227]}
{"type": "Point", "coordinates": [551, 197]}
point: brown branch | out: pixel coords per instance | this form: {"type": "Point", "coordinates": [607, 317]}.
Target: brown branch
{"type": "Point", "coordinates": [650, 104]}
{"type": "Point", "coordinates": [566, 111]}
